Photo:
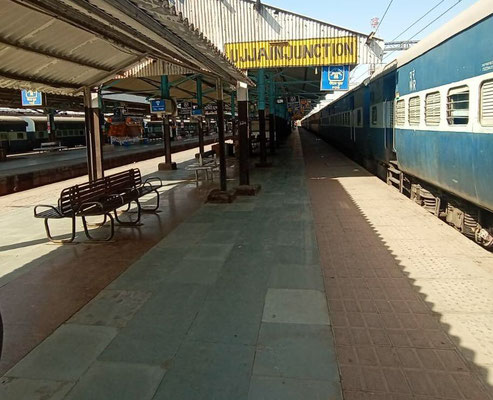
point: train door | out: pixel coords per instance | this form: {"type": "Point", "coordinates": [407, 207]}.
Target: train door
{"type": "Point", "coordinates": [388, 115]}
{"type": "Point", "coordinates": [354, 124]}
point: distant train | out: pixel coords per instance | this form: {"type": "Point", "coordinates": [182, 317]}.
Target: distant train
{"type": "Point", "coordinates": [424, 123]}
{"type": "Point", "coordinates": [19, 134]}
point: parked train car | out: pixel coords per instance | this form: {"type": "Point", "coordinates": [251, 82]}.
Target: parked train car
{"type": "Point", "coordinates": [20, 134]}
{"type": "Point", "coordinates": [425, 123]}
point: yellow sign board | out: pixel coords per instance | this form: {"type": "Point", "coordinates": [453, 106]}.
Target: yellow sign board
{"type": "Point", "coordinates": [294, 53]}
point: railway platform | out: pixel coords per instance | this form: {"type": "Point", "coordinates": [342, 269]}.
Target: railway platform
{"type": "Point", "coordinates": [328, 284]}
{"type": "Point", "coordinates": [25, 171]}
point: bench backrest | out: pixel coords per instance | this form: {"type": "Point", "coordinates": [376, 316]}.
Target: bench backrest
{"type": "Point", "coordinates": [73, 197]}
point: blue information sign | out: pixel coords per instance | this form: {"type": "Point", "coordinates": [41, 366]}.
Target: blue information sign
{"type": "Point", "coordinates": [31, 98]}
{"type": "Point", "coordinates": [335, 77]}
{"type": "Point", "coordinates": [158, 106]}
{"type": "Point", "coordinates": [197, 111]}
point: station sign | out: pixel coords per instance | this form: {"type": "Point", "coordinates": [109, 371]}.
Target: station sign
{"type": "Point", "coordinates": [335, 77]}
{"type": "Point", "coordinates": [158, 106]}
{"type": "Point", "coordinates": [31, 98]}
{"type": "Point", "coordinates": [294, 53]}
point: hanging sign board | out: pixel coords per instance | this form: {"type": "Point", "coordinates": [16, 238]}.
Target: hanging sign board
{"type": "Point", "coordinates": [294, 53]}
{"type": "Point", "coordinates": [158, 106]}
{"type": "Point", "coordinates": [335, 77]}
{"type": "Point", "coordinates": [31, 98]}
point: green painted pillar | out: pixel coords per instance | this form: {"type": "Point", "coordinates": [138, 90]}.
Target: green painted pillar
{"type": "Point", "coordinates": [201, 108]}
{"type": "Point", "coordinates": [261, 116]}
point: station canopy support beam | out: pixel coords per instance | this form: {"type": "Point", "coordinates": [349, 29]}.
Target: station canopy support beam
{"type": "Point", "coordinates": [261, 118]}
{"type": "Point", "coordinates": [168, 162]}
{"type": "Point", "coordinates": [94, 142]}
{"type": "Point", "coordinates": [201, 121]}
{"type": "Point", "coordinates": [272, 112]}
{"type": "Point", "coordinates": [220, 130]}
{"type": "Point", "coordinates": [242, 93]}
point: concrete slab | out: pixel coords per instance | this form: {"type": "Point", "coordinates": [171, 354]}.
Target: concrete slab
{"type": "Point", "coordinates": [208, 371]}
{"type": "Point", "coordinates": [66, 354]}
{"type": "Point", "coordinates": [296, 351]}
{"type": "Point", "coordinates": [122, 381]}
{"type": "Point", "coordinates": [111, 308]}
{"type": "Point", "coordinates": [295, 306]}
{"type": "Point", "coordinates": [272, 388]}
{"type": "Point", "coordinates": [32, 389]}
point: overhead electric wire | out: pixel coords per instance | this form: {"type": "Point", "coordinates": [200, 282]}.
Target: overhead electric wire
{"type": "Point", "coordinates": [383, 17]}
{"type": "Point", "coordinates": [414, 23]}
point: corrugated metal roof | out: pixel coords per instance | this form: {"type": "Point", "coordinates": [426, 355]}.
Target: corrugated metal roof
{"type": "Point", "coordinates": [64, 45]}
{"type": "Point", "coordinates": [236, 21]}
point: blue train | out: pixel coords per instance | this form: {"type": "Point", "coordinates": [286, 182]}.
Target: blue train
{"type": "Point", "coordinates": [424, 123]}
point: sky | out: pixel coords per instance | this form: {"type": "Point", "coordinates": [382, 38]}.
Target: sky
{"type": "Point", "coordinates": [357, 14]}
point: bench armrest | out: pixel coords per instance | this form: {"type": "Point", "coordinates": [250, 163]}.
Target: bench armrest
{"type": "Point", "coordinates": [154, 179]}
{"type": "Point", "coordinates": [89, 204]}
{"type": "Point", "coordinates": [36, 214]}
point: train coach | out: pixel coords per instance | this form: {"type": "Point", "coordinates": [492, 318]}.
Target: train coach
{"type": "Point", "coordinates": [19, 134]}
{"type": "Point", "coordinates": [424, 123]}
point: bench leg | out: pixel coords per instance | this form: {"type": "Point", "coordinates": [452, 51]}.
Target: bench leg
{"type": "Point", "coordinates": [152, 209]}
{"type": "Point", "coordinates": [48, 233]}
{"type": "Point", "coordinates": [130, 222]}
{"type": "Point", "coordinates": [106, 239]}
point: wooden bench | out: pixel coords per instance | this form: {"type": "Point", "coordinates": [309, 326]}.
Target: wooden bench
{"type": "Point", "coordinates": [101, 197]}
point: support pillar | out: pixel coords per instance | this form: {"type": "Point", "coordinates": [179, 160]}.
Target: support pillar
{"type": "Point", "coordinates": [272, 112]}
{"type": "Point", "coordinates": [221, 195]}
{"type": "Point", "coordinates": [261, 118]}
{"type": "Point", "coordinates": [242, 92]}
{"type": "Point", "coordinates": [168, 161]}
{"type": "Point", "coordinates": [94, 144]}
{"type": "Point", "coordinates": [244, 189]}
{"type": "Point", "coordinates": [233, 114]}
{"type": "Point", "coordinates": [50, 125]}
{"type": "Point", "coordinates": [200, 119]}
{"type": "Point", "coordinates": [220, 130]}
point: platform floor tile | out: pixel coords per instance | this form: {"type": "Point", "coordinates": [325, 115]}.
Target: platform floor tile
{"type": "Point", "coordinates": [122, 381]}
{"type": "Point", "coordinates": [295, 306]}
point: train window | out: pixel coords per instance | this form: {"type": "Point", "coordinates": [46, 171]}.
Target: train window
{"type": "Point", "coordinates": [358, 118]}
{"type": "Point", "coordinates": [374, 115]}
{"type": "Point", "coordinates": [487, 103]}
{"type": "Point", "coordinates": [20, 135]}
{"type": "Point", "coordinates": [400, 112]}
{"type": "Point", "coordinates": [458, 106]}
{"type": "Point", "coordinates": [432, 108]}
{"type": "Point", "coordinates": [414, 105]}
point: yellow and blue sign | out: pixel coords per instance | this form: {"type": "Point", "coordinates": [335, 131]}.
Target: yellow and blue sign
{"type": "Point", "coordinates": [294, 53]}
{"type": "Point", "coordinates": [335, 77]}
{"type": "Point", "coordinates": [31, 98]}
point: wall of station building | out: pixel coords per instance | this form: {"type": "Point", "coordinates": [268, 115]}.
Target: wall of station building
{"type": "Point", "coordinates": [238, 21]}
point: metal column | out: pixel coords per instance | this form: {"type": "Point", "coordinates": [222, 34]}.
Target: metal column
{"type": "Point", "coordinates": [201, 122]}
{"type": "Point", "coordinates": [94, 143]}
{"type": "Point", "coordinates": [168, 162]}
{"type": "Point", "coordinates": [272, 113]}
{"type": "Point", "coordinates": [220, 129]}
{"type": "Point", "coordinates": [233, 113]}
{"type": "Point", "coordinates": [242, 93]}
{"type": "Point", "coordinates": [261, 118]}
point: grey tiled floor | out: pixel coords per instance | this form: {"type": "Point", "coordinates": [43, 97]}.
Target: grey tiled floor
{"type": "Point", "coordinates": [230, 306]}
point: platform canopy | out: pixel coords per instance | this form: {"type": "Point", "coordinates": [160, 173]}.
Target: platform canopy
{"type": "Point", "coordinates": [289, 46]}
{"type": "Point", "coordinates": [62, 46]}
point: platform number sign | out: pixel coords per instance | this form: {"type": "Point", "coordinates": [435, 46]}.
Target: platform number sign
{"type": "Point", "coordinates": [412, 80]}
{"type": "Point", "coordinates": [31, 98]}
{"type": "Point", "coordinates": [335, 77]}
